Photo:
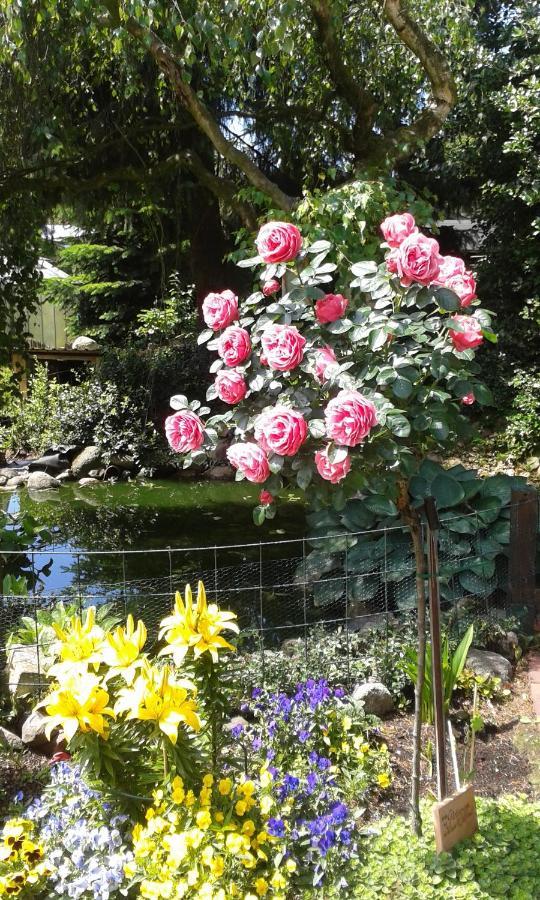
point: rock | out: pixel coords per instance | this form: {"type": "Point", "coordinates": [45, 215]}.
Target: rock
{"type": "Point", "coordinates": [17, 482]}
{"type": "Point", "coordinates": [485, 662]}
{"type": "Point", "coordinates": [24, 671]}
{"type": "Point", "coordinates": [221, 473]}
{"type": "Point", "coordinates": [87, 459]}
{"type": "Point", "coordinates": [96, 473]}
{"type": "Point", "coordinates": [89, 480]}
{"type": "Point", "coordinates": [371, 622]}
{"type": "Point", "coordinates": [33, 734]}
{"type": "Point", "coordinates": [3, 480]}
{"type": "Point", "coordinates": [10, 741]}
{"type": "Point", "coordinates": [19, 474]}
{"type": "Point", "coordinates": [375, 698]}
{"type": "Point", "coordinates": [124, 462]}
{"type": "Point", "coordinates": [66, 475]}
{"type": "Point", "coordinates": [40, 481]}
{"type": "Point", "coordinates": [292, 647]}
{"type": "Point", "coordinates": [84, 343]}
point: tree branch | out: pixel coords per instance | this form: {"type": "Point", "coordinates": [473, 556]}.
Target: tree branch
{"type": "Point", "coordinates": [400, 144]}
{"type": "Point", "coordinates": [222, 188]}
{"type": "Point", "coordinates": [169, 65]}
{"type": "Point", "coordinates": [361, 101]}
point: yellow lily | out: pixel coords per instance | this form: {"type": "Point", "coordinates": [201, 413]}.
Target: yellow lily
{"type": "Point", "coordinates": [198, 627]}
{"type": "Point", "coordinates": [121, 650]}
{"type": "Point", "coordinates": [79, 705]}
{"type": "Point", "coordinates": [157, 697]}
{"type": "Point", "coordinates": [79, 645]}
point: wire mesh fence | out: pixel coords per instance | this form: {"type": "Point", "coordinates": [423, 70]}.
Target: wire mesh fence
{"type": "Point", "coordinates": [287, 592]}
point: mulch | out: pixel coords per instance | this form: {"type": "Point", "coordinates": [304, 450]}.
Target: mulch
{"type": "Point", "coordinates": [500, 768]}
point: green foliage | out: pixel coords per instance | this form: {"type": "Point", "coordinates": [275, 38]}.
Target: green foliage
{"type": "Point", "coordinates": [522, 433]}
{"type": "Point", "coordinates": [452, 665]}
{"type": "Point", "coordinates": [92, 411]}
{"type": "Point", "coordinates": [500, 861]}
{"type": "Point", "coordinates": [173, 316]}
{"type": "Point", "coordinates": [473, 539]}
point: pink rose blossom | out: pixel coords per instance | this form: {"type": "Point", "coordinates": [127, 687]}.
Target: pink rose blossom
{"type": "Point", "coordinates": [392, 261]}
{"type": "Point", "coordinates": [448, 267]}
{"type": "Point", "coordinates": [270, 287]}
{"type": "Point", "coordinates": [220, 310]}
{"type": "Point", "coordinates": [398, 227]}
{"type": "Point", "coordinates": [464, 286]}
{"type": "Point", "coordinates": [234, 345]}
{"type": "Point", "coordinates": [470, 337]}
{"type": "Point", "coordinates": [283, 347]}
{"type": "Point", "coordinates": [330, 307]}
{"type": "Point", "coordinates": [250, 460]}
{"type": "Point", "coordinates": [349, 418]}
{"type": "Point", "coordinates": [230, 386]}
{"type": "Point", "coordinates": [468, 399]}
{"type": "Point", "coordinates": [418, 260]}
{"type": "Point", "coordinates": [281, 430]}
{"type": "Point", "coordinates": [324, 358]}
{"type": "Point", "coordinates": [335, 470]}
{"type": "Point", "coordinates": [184, 430]}
{"type": "Point", "coordinates": [266, 498]}
{"type": "Point", "coordinates": [278, 242]}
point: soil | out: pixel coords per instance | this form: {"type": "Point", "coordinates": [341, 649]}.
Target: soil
{"type": "Point", "coordinates": [503, 763]}
{"type": "Point", "coordinates": [20, 772]}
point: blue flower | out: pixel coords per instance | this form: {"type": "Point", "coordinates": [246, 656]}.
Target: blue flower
{"type": "Point", "coordinates": [276, 827]}
{"type": "Point", "coordinates": [236, 731]}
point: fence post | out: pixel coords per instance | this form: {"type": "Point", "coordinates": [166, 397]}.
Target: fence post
{"type": "Point", "coordinates": [522, 563]}
{"type": "Point", "coordinates": [432, 516]}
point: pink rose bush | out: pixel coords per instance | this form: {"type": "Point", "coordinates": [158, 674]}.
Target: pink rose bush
{"type": "Point", "coordinates": [185, 431]}
{"type": "Point", "coordinates": [280, 430]}
{"type": "Point", "coordinates": [250, 460]}
{"type": "Point", "coordinates": [230, 386]}
{"type": "Point", "coordinates": [324, 360]}
{"type": "Point", "coordinates": [469, 335]}
{"type": "Point", "coordinates": [349, 417]}
{"type": "Point", "coordinates": [220, 310]}
{"type": "Point", "coordinates": [417, 260]}
{"type": "Point", "coordinates": [333, 470]}
{"type": "Point", "coordinates": [330, 307]}
{"type": "Point", "coordinates": [278, 242]}
{"type": "Point", "coordinates": [283, 347]}
{"type": "Point", "coordinates": [398, 227]}
{"type": "Point", "coordinates": [234, 345]}
{"type": "Point", "coordinates": [344, 379]}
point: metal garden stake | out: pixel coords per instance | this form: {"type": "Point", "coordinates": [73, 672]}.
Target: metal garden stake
{"type": "Point", "coordinates": [435, 627]}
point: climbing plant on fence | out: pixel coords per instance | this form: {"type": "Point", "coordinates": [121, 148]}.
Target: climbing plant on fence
{"type": "Point", "coordinates": [340, 383]}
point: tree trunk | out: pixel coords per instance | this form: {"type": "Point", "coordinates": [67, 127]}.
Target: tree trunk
{"type": "Point", "coordinates": [412, 519]}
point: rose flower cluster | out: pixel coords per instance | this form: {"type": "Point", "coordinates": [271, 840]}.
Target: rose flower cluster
{"type": "Point", "coordinates": [280, 348]}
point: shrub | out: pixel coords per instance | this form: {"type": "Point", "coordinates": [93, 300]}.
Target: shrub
{"type": "Point", "coordinates": [523, 421]}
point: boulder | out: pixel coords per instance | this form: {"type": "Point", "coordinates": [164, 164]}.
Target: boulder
{"type": "Point", "coordinates": [376, 621]}
{"type": "Point", "coordinates": [89, 480]}
{"type": "Point", "coordinates": [33, 734]}
{"type": "Point", "coordinates": [66, 475]}
{"type": "Point", "coordinates": [221, 473]}
{"type": "Point", "coordinates": [40, 481]}
{"type": "Point", "coordinates": [3, 480]}
{"type": "Point", "coordinates": [87, 459]}
{"type": "Point", "coordinates": [374, 698]}
{"type": "Point", "coordinates": [18, 481]}
{"type": "Point", "coordinates": [10, 741]}
{"type": "Point", "coordinates": [84, 343]}
{"type": "Point", "coordinates": [485, 662]}
{"type": "Point", "coordinates": [25, 673]}
{"type": "Point", "coordinates": [292, 647]}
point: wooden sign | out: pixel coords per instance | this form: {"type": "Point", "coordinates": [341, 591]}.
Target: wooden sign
{"type": "Point", "coordinates": [455, 819]}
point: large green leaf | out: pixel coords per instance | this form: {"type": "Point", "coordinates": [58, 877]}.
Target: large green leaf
{"type": "Point", "coordinates": [446, 490]}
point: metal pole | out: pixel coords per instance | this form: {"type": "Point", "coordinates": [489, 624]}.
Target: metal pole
{"type": "Point", "coordinates": [432, 517]}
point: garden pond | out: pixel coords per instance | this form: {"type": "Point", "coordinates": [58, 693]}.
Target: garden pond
{"type": "Point", "coordinates": [103, 538]}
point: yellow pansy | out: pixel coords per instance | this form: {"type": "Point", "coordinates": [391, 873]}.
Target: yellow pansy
{"type": "Point", "coordinates": [225, 787]}
{"type": "Point", "coordinates": [266, 805]}
{"type": "Point", "coordinates": [217, 867]}
{"type": "Point", "coordinates": [218, 816]}
{"type": "Point", "coordinates": [79, 645]}
{"type": "Point", "coordinates": [290, 865]}
{"type": "Point", "coordinates": [261, 886]}
{"type": "Point", "coordinates": [247, 788]}
{"type": "Point", "coordinates": [157, 697]}
{"type": "Point", "coordinates": [240, 807]}
{"type": "Point", "coordinates": [203, 819]}
{"type": "Point", "coordinates": [208, 781]}
{"type": "Point", "coordinates": [384, 779]}
{"type": "Point", "coordinates": [121, 650]}
{"type": "Point", "coordinates": [248, 827]}
{"type": "Point", "coordinates": [79, 705]}
{"type": "Point", "coordinates": [346, 723]}
{"type": "Point", "coordinates": [278, 881]}
{"type": "Point", "coordinates": [190, 798]}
